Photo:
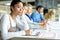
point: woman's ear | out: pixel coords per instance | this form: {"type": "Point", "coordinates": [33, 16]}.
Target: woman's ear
{"type": "Point", "coordinates": [12, 8]}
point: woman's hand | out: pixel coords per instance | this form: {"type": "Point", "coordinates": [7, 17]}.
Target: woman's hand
{"type": "Point", "coordinates": [43, 23]}
{"type": "Point", "coordinates": [11, 29]}
{"type": "Point", "coordinates": [28, 32]}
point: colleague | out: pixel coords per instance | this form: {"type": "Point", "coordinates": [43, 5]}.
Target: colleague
{"type": "Point", "coordinates": [29, 11]}
{"type": "Point", "coordinates": [37, 15]}
{"type": "Point", "coordinates": [45, 12]}
{"type": "Point", "coordinates": [10, 23]}
{"type": "Point", "coordinates": [50, 15]}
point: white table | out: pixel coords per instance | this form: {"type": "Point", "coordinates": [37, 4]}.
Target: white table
{"type": "Point", "coordinates": [53, 27]}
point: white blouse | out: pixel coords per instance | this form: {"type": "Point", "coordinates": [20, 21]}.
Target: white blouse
{"type": "Point", "coordinates": [32, 24]}
{"type": "Point", "coordinates": [22, 20]}
{"type": "Point", "coordinates": [7, 21]}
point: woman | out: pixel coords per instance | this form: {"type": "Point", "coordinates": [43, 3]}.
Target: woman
{"type": "Point", "coordinates": [10, 23]}
{"type": "Point", "coordinates": [50, 15]}
{"type": "Point", "coordinates": [28, 10]}
{"type": "Point", "coordinates": [45, 11]}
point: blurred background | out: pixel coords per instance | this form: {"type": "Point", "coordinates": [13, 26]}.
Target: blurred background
{"type": "Point", "coordinates": [50, 4]}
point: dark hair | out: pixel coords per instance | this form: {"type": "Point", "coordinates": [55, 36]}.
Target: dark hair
{"type": "Point", "coordinates": [14, 2]}
{"type": "Point", "coordinates": [40, 6]}
{"type": "Point", "coordinates": [24, 4]}
{"type": "Point", "coordinates": [45, 11]}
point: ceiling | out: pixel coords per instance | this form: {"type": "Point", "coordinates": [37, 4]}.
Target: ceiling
{"type": "Point", "coordinates": [5, 0]}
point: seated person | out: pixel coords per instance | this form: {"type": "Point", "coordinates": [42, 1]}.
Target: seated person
{"type": "Point", "coordinates": [37, 15]}
{"type": "Point", "coordinates": [10, 23]}
{"type": "Point", "coordinates": [50, 15]}
{"type": "Point", "coordinates": [45, 12]}
{"type": "Point", "coordinates": [28, 10]}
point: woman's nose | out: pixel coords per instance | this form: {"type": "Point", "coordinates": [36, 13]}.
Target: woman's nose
{"type": "Point", "coordinates": [21, 9]}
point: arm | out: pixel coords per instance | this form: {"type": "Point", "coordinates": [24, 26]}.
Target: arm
{"type": "Point", "coordinates": [28, 20]}
{"type": "Point", "coordinates": [25, 25]}
{"type": "Point", "coordinates": [5, 24]}
{"type": "Point", "coordinates": [22, 24]}
{"type": "Point", "coordinates": [33, 16]}
{"type": "Point", "coordinates": [41, 16]}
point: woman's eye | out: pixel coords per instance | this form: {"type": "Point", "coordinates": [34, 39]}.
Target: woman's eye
{"type": "Point", "coordinates": [18, 7]}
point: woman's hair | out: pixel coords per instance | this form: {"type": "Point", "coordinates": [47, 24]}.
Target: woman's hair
{"type": "Point", "coordinates": [24, 4]}
{"type": "Point", "coordinates": [45, 11]}
{"type": "Point", "coordinates": [14, 2]}
{"type": "Point", "coordinates": [30, 5]}
{"type": "Point", "coordinates": [52, 11]}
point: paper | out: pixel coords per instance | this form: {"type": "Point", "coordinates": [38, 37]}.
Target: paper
{"type": "Point", "coordinates": [47, 35]}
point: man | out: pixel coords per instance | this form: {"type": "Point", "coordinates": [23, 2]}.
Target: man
{"type": "Point", "coordinates": [37, 16]}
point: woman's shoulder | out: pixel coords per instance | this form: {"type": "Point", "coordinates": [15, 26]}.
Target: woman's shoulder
{"type": "Point", "coordinates": [25, 16]}
{"type": "Point", "coordinates": [5, 16]}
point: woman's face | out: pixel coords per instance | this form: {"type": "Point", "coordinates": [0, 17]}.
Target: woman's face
{"type": "Point", "coordinates": [18, 8]}
{"type": "Point", "coordinates": [29, 10]}
{"type": "Point", "coordinates": [25, 9]}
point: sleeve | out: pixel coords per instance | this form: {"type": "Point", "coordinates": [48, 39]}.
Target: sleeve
{"type": "Point", "coordinates": [26, 26]}
{"type": "Point", "coordinates": [18, 22]}
{"type": "Point", "coordinates": [28, 20]}
{"type": "Point", "coordinates": [41, 16]}
{"type": "Point", "coordinates": [23, 25]}
{"type": "Point", "coordinates": [5, 24]}
{"type": "Point", "coordinates": [33, 16]}
{"type": "Point", "coordinates": [14, 34]}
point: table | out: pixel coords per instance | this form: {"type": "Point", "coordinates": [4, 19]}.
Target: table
{"type": "Point", "coordinates": [50, 28]}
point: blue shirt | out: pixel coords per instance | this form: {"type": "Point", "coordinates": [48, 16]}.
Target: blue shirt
{"type": "Point", "coordinates": [37, 17]}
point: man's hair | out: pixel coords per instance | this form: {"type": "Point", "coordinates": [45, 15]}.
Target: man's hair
{"type": "Point", "coordinates": [40, 6]}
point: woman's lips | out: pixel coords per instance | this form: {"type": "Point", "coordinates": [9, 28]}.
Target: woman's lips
{"type": "Point", "coordinates": [20, 12]}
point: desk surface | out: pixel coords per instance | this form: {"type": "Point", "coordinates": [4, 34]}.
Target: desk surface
{"type": "Point", "coordinates": [53, 27]}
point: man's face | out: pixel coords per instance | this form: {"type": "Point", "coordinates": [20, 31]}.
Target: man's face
{"type": "Point", "coordinates": [40, 10]}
